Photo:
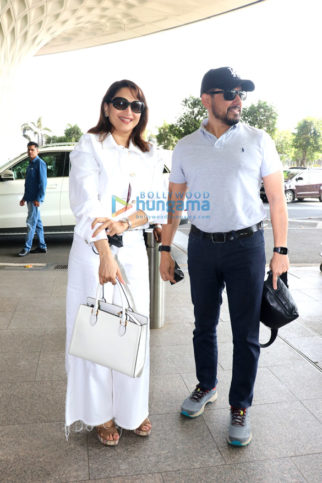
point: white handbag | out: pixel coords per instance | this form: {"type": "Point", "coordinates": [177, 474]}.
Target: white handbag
{"type": "Point", "coordinates": [111, 335]}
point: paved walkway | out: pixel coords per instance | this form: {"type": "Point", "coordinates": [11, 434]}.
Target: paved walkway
{"type": "Point", "coordinates": [286, 415]}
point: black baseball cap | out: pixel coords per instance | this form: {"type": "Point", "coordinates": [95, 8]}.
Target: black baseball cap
{"type": "Point", "coordinates": [224, 78]}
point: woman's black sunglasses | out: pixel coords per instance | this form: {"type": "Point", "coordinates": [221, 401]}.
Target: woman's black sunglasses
{"type": "Point", "coordinates": [230, 95]}
{"type": "Point", "coordinates": [120, 103]}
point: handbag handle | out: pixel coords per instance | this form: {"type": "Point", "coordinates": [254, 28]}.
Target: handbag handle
{"type": "Point", "coordinates": [122, 290]}
{"type": "Point", "coordinates": [124, 298]}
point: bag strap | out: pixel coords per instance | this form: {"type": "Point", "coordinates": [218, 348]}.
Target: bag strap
{"type": "Point", "coordinates": [94, 311]}
{"type": "Point", "coordinates": [283, 277]}
{"type": "Point", "coordinates": [124, 298]}
{"type": "Point", "coordinates": [122, 290]}
{"type": "Point", "coordinates": [272, 338]}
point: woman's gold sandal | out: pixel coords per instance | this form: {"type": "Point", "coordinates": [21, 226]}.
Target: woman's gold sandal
{"type": "Point", "coordinates": [144, 432]}
{"type": "Point", "coordinates": [104, 429]}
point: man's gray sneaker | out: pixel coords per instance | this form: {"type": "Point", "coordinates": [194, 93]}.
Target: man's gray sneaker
{"type": "Point", "coordinates": [239, 429]}
{"type": "Point", "coordinates": [23, 252]}
{"type": "Point", "coordinates": [195, 404]}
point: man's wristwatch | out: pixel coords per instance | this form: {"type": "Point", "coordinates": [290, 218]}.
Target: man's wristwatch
{"type": "Point", "coordinates": [126, 220]}
{"type": "Point", "coordinates": [281, 250]}
{"type": "Point", "coordinates": [164, 248]}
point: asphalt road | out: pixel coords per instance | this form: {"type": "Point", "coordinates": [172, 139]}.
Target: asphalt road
{"type": "Point", "coordinates": [303, 210]}
{"type": "Point", "coordinates": [305, 238]}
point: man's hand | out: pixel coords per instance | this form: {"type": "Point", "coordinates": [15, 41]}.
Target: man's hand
{"type": "Point", "coordinates": [278, 264]}
{"type": "Point", "coordinates": [22, 202]}
{"type": "Point", "coordinates": [167, 267]}
{"type": "Point", "coordinates": [157, 230]}
{"type": "Point", "coordinates": [36, 203]}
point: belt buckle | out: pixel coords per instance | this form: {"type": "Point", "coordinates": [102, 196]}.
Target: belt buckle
{"type": "Point", "coordinates": [245, 234]}
{"type": "Point", "coordinates": [218, 237]}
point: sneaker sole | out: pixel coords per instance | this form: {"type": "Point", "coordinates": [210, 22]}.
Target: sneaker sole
{"type": "Point", "coordinates": [195, 415]}
{"type": "Point", "coordinates": [236, 442]}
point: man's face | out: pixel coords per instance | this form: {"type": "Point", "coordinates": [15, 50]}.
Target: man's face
{"type": "Point", "coordinates": [32, 152]}
{"type": "Point", "coordinates": [228, 112]}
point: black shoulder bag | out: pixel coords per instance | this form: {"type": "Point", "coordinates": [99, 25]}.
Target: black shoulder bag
{"type": "Point", "coordinates": [278, 307]}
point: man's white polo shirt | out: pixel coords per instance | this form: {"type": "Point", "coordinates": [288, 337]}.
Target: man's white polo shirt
{"type": "Point", "coordinates": [224, 175]}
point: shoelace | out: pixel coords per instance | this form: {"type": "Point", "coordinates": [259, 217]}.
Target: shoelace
{"type": "Point", "coordinates": [198, 394]}
{"type": "Point", "coordinates": [238, 416]}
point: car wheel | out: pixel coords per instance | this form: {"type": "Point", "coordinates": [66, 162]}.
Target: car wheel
{"type": "Point", "coordinates": [321, 267]}
{"type": "Point", "coordinates": [320, 198]}
{"type": "Point", "coordinates": [289, 196]}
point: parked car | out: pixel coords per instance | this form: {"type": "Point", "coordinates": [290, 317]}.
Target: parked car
{"type": "Point", "coordinates": [56, 214]}
{"type": "Point", "coordinates": [308, 184]}
{"type": "Point", "coordinates": [300, 183]}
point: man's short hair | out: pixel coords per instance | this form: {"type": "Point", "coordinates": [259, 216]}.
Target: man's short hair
{"type": "Point", "coordinates": [32, 143]}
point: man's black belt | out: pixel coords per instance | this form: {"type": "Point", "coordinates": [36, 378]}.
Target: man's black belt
{"type": "Point", "coordinates": [230, 235]}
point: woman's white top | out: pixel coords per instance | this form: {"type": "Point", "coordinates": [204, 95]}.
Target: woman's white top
{"type": "Point", "coordinates": [100, 175]}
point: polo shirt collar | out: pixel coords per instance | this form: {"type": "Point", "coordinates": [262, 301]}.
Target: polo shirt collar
{"type": "Point", "coordinates": [211, 136]}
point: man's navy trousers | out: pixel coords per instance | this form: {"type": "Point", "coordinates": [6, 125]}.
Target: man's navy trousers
{"type": "Point", "coordinates": [238, 264]}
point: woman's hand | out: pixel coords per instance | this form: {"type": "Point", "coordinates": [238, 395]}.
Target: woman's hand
{"type": "Point", "coordinates": [109, 270]}
{"type": "Point", "coordinates": [113, 227]}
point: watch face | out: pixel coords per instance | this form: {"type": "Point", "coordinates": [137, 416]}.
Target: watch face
{"type": "Point", "coordinates": [281, 250]}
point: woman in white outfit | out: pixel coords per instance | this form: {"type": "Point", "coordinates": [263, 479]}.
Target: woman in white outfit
{"type": "Point", "coordinates": [112, 167]}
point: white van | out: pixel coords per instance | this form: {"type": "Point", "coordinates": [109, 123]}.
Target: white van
{"type": "Point", "coordinates": [56, 214]}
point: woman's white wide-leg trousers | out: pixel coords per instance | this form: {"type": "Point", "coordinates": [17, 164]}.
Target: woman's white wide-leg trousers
{"type": "Point", "coordinates": [96, 394]}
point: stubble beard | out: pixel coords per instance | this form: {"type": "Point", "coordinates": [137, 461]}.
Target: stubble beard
{"type": "Point", "coordinates": [229, 121]}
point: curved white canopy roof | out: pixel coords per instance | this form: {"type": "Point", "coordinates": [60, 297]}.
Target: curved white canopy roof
{"type": "Point", "coordinates": [36, 27]}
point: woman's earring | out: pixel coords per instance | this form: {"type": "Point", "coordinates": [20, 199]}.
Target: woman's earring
{"type": "Point", "coordinates": [106, 115]}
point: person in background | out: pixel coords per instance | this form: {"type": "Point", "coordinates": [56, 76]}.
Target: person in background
{"type": "Point", "coordinates": [110, 166]}
{"type": "Point", "coordinates": [35, 189]}
{"type": "Point", "coordinates": [224, 161]}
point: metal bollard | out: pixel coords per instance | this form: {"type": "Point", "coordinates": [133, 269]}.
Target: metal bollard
{"type": "Point", "coordinates": [156, 283]}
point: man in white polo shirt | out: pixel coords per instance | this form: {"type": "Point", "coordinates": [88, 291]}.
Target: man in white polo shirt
{"type": "Point", "coordinates": [219, 168]}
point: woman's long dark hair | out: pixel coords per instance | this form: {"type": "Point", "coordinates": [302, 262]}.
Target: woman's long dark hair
{"type": "Point", "coordinates": [103, 127]}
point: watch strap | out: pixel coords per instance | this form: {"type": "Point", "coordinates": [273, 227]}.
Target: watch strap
{"type": "Point", "coordinates": [164, 248]}
{"type": "Point", "coordinates": [281, 250]}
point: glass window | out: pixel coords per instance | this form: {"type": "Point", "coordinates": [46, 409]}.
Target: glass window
{"type": "Point", "coordinates": [19, 170]}
{"type": "Point", "coordinates": [289, 174]}
{"type": "Point", "coordinates": [67, 164]}
{"type": "Point", "coordinates": [55, 163]}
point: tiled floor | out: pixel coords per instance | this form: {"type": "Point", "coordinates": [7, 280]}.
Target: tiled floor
{"type": "Point", "coordinates": [286, 413]}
